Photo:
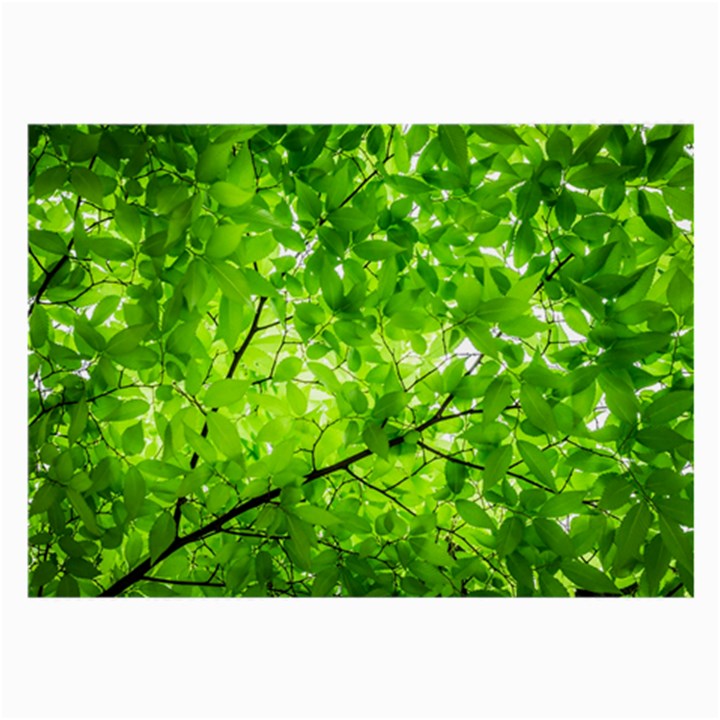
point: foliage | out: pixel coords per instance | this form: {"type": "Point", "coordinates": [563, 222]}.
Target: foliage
{"type": "Point", "coordinates": [360, 360]}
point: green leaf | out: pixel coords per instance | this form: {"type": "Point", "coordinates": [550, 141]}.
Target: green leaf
{"type": "Point", "coordinates": [316, 515]}
{"type": "Point", "coordinates": [559, 147]}
{"type": "Point", "coordinates": [660, 438]}
{"type": "Point", "coordinates": [521, 570]}
{"type": "Point", "coordinates": [299, 545]}
{"type": "Point", "coordinates": [158, 468]}
{"type": "Point", "coordinates": [331, 288]}
{"type": "Point", "coordinates": [289, 239]}
{"type": "Point", "coordinates": [84, 511]}
{"type": "Point", "coordinates": [83, 146]}
{"type": "Point", "coordinates": [225, 392]}
{"type": "Point", "coordinates": [349, 218]}
{"type": "Point", "coordinates": [45, 497]}
{"type": "Point", "coordinates": [355, 397]}
{"type": "Point", "coordinates": [133, 440]}
{"type": "Point", "coordinates": [497, 397]}
{"type": "Point", "coordinates": [590, 300]}
{"type": "Point", "coordinates": [668, 407]}
{"type": "Point", "coordinates": [50, 242]}
{"type": "Point", "coordinates": [128, 220]}
{"type": "Point", "coordinates": [468, 294]}
{"type": "Point", "coordinates": [596, 176]}
{"type": "Point", "coordinates": [224, 241]}
{"type": "Point", "coordinates": [296, 399]}
{"type": "Point", "coordinates": [631, 534]}
{"type": "Point", "coordinates": [678, 542]}
{"type": "Point", "coordinates": [62, 467]}
{"type": "Point", "coordinates": [593, 227]}
{"type": "Point", "coordinates": [525, 244]}
{"type": "Point", "coordinates": [660, 226]}
{"type": "Point", "coordinates": [666, 155]}
{"type": "Point", "coordinates": [616, 494]}
{"type": "Point", "coordinates": [376, 250]}
{"type": "Point", "coordinates": [565, 210]}
{"type": "Point", "coordinates": [614, 196]}
{"type": "Point", "coordinates": [127, 411]}
{"type": "Point", "coordinates": [680, 292]}
{"type": "Point", "coordinates": [408, 185]}
{"type": "Point", "coordinates": [111, 248]}
{"type": "Point", "coordinates": [498, 134]}
{"type": "Point", "coordinates": [218, 498]}
{"type": "Point", "coordinates": [310, 314]}
{"type": "Point", "coordinates": [537, 409]}
{"type": "Point", "coordinates": [230, 195]}
{"type": "Point", "coordinates": [473, 514]}
{"type": "Point", "coordinates": [501, 309]}
{"type": "Point", "coordinates": [87, 185]}
{"type": "Point", "coordinates": [127, 340]}
{"type": "Point", "coordinates": [680, 201]}
{"type": "Point", "coordinates": [409, 320]}
{"type": "Point", "coordinates": [509, 535]}
{"type": "Point", "coordinates": [620, 397]}
{"type": "Point", "coordinates": [665, 481]}
{"type": "Point", "coordinates": [67, 587]}
{"type": "Point", "coordinates": [170, 198]}
{"type": "Point", "coordinates": [39, 326]}
{"type": "Point", "coordinates": [454, 144]}
{"type": "Point", "coordinates": [390, 405]}
{"type": "Point", "coordinates": [656, 560]}
{"type": "Point", "coordinates": [80, 567]}
{"type": "Point", "coordinates": [537, 462]}
{"type": "Point", "coordinates": [575, 319]}
{"type": "Point", "coordinates": [376, 440]}
{"type": "Point", "coordinates": [528, 200]}
{"type": "Point", "coordinates": [213, 162]}
{"type": "Point", "coordinates": [588, 577]}
{"type": "Point", "coordinates": [231, 280]}
{"type": "Point", "coordinates": [308, 200]}
{"type": "Point", "coordinates": [455, 476]}
{"type": "Point", "coordinates": [288, 367]}
{"type": "Point", "coordinates": [49, 181]}
{"type": "Point", "coordinates": [589, 147]}
{"type": "Point", "coordinates": [224, 435]}
{"type": "Point", "coordinates": [44, 573]}
{"type": "Point", "coordinates": [78, 421]}
{"type": "Point", "coordinates": [133, 492]}
{"type": "Point", "coordinates": [633, 154]}
{"type": "Point", "coordinates": [554, 537]}
{"type": "Point", "coordinates": [195, 283]}
{"type": "Point", "coordinates": [257, 284]}
{"type": "Point", "coordinates": [496, 466]}
{"type": "Point", "coordinates": [162, 534]}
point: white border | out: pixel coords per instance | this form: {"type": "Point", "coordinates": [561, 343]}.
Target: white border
{"type": "Point", "coordinates": [358, 62]}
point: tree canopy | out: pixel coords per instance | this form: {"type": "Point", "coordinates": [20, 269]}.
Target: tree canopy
{"type": "Point", "coordinates": [360, 360]}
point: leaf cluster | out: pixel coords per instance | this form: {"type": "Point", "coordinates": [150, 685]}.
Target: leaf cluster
{"type": "Point", "coordinates": [360, 360]}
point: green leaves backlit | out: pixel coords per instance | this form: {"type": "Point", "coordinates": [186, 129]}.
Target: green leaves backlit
{"type": "Point", "coordinates": [361, 360]}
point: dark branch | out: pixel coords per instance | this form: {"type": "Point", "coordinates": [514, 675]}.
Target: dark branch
{"type": "Point", "coordinates": [233, 366]}
{"type": "Point", "coordinates": [218, 523]}
{"type": "Point", "coordinates": [61, 262]}
{"type": "Point", "coordinates": [167, 581]}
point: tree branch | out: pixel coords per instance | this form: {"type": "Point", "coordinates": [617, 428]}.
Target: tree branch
{"type": "Point", "coordinates": [217, 524]}
{"type": "Point", "coordinates": [554, 271]}
{"type": "Point", "coordinates": [205, 583]}
{"type": "Point", "coordinates": [237, 356]}
{"type": "Point", "coordinates": [458, 461]}
{"type": "Point", "coordinates": [61, 262]}
{"type": "Point", "coordinates": [177, 515]}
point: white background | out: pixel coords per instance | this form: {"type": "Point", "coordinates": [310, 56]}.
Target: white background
{"type": "Point", "coordinates": [513, 62]}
